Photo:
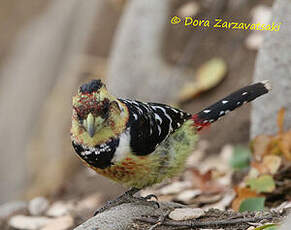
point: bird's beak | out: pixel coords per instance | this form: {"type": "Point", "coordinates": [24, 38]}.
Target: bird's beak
{"type": "Point", "coordinates": [90, 125]}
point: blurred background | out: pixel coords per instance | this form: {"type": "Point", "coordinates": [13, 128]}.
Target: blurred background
{"type": "Point", "coordinates": [48, 48]}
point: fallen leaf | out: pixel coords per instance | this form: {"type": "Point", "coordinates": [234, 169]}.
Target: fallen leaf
{"type": "Point", "coordinates": [280, 120]}
{"type": "Point", "coordinates": [242, 194]}
{"type": "Point", "coordinates": [267, 227]}
{"type": "Point", "coordinates": [208, 76]}
{"type": "Point", "coordinates": [270, 164]}
{"type": "Point", "coordinates": [259, 146]}
{"type": "Point", "coordinates": [264, 183]}
{"type": "Point", "coordinates": [252, 204]}
{"type": "Point", "coordinates": [205, 181]}
{"type": "Point", "coordinates": [240, 158]}
{"type": "Point", "coordinates": [284, 144]}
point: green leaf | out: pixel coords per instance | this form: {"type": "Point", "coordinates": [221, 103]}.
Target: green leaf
{"type": "Point", "coordinates": [267, 227]}
{"type": "Point", "coordinates": [240, 158]}
{"type": "Point", "coordinates": [252, 204]}
{"type": "Point", "coordinates": [264, 183]}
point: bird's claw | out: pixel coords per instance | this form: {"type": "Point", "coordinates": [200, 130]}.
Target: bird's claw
{"type": "Point", "coordinates": [128, 197]}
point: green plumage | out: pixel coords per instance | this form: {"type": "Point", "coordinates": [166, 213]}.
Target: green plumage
{"type": "Point", "coordinates": [165, 162]}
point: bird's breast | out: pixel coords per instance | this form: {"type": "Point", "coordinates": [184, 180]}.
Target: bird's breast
{"type": "Point", "coordinates": [99, 156]}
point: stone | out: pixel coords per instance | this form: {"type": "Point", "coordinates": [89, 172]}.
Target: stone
{"type": "Point", "coordinates": [59, 209]}
{"type": "Point", "coordinates": [12, 207]}
{"type": "Point", "coordinates": [38, 206]}
{"type": "Point", "coordinates": [186, 213]}
{"type": "Point", "coordinates": [28, 222]}
{"type": "Point", "coordinates": [175, 187]}
{"type": "Point", "coordinates": [187, 195]}
{"type": "Point", "coordinates": [60, 223]}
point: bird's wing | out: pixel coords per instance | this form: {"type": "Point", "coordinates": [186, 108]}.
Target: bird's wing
{"type": "Point", "coordinates": [151, 123]}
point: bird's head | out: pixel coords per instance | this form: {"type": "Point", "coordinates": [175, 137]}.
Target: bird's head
{"type": "Point", "coordinates": [97, 115]}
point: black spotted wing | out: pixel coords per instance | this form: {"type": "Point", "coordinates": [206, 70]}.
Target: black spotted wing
{"type": "Point", "coordinates": [151, 123]}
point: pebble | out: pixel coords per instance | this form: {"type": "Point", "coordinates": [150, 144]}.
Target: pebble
{"type": "Point", "coordinates": [28, 222]}
{"type": "Point", "coordinates": [90, 202]}
{"type": "Point", "coordinates": [59, 209]}
{"type": "Point", "coordinates": [175, 187]}
{"type": "Point", "coordinates": [254, 41]}
{"type": "Point", "coordinates": [186, 213]}
{"type": "Point", "coordinates": [187, 195]}
{"type": "Point", "coordinates": [38, 206]}
{"type": "Point", "coordinates": [188, 9]}
{"type": "Point", "coordinates": [12, 207]}
{"type": "Point", "coordinates": [60, 223]}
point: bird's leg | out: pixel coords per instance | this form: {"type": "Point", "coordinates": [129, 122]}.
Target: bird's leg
{"type": "Point", "coordinates": [128, 197]}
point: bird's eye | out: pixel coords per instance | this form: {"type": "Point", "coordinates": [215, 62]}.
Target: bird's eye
{"type": "Point", "coordinates": [80, 119]}
{"type": "Point", "coordinates": [79, 114]}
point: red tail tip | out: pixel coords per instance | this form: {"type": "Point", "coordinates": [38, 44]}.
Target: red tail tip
{"type": "Point", "coordinates": [198, 123]}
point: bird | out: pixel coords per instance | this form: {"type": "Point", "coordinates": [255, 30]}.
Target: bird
{"type": "Point", "coordinates": [139, 144]}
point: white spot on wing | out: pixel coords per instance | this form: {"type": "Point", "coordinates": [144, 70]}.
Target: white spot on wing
{"type": "Point", "coordinates": [207, 111]}
{"type": "Point", "coordinates": [175, 110]}
{"type": "Point", "coordinates": [167, 115]}
{"type": "Point", "coordinates": [224, 101]}
{"type": "Point", "coordinates": [221, 113]}
{"type": "Point", "coordinates": [244, 93]}
{"type": "Point", "coordinates": [157, 117]}
{"type": "Point", "coordinates": [159, 128]}
{"type": "Point", "coordinates": [139, 109]}
{"type": "Point", "coordinates": [135, 116]}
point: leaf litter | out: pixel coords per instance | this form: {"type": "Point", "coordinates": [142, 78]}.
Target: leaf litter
{"type": "Point", "coordinates": [208, 181]}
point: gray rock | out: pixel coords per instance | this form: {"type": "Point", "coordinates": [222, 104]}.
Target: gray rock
{"type": "Point", "coordinates": [186, 213]}
{"type": "Point", "coordinates": [59, 209]}
{"type": "Point", "coordinates": [123, 216]}
{"type": "Point", "coordinates": [38, 206]}
{"type": "Point", "coordinates": [273, 63]}
{"type": "Point", "coordinates": [60, 223]}
{"type": "Point", "coordinates": [28, 222]}
{"type": "Point", "coordinates": [12, 207]}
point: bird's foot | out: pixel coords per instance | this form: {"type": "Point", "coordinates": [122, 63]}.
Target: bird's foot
{"type": "Point", "coordinates": [128, 197]}
{"type": "Point", "coordinates": [161, 220]}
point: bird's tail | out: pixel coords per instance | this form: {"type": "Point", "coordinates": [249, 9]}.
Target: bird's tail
{"type": "Point", "coordinates": [229, 103]}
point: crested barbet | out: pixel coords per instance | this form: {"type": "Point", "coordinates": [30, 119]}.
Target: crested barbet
{"type": "Point", "coordinates": [139, 144]}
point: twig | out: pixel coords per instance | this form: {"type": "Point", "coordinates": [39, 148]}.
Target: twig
{"type": "Point", "coordinates": [210, 223]}
{"type": "Point", "coordinates": [161, 220]}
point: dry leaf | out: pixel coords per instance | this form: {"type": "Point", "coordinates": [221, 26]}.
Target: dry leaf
{"type": "Point", "coordinates": [208, 75]}
{"type": "Point", "coordinates": [263, 183]}
{"type": "Point", "coordinates": [271, 164]}
{"type": "Point", "coordinates": [284, 144]}
{"type": "Point", "coordinates": [242, 194]}
{"type": "Point", "coordinates": [259, 146]}
{"type": "Point", "coordinates": [280, 120]}
{"type": "Point", "coordinates": [205, 181]}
